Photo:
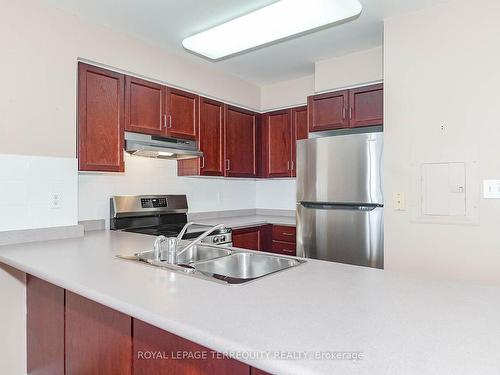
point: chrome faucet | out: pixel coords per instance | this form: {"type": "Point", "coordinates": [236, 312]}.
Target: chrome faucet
{"type": "Point", "coordinates": [173, 243]}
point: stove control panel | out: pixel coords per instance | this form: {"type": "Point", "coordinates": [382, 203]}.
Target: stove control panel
{"type": "Point", "coordinates": [219, 239]}
{"type": "Point", "coordinates": [153, 202]}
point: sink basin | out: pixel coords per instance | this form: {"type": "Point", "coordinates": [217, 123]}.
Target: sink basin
{"type": "Point", "coordinates": [220, 264]}
{"type": "Point", "coordinates": [194, 254]}
{"type": "Point", "coordinates": [242, 267]}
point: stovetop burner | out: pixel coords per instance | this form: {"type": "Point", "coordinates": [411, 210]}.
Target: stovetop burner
{"type": "Point", "coordinates": [173, 230]}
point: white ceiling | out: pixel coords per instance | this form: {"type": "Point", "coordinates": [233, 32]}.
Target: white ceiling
{"type": "Point", "coordinates": [167, 22]}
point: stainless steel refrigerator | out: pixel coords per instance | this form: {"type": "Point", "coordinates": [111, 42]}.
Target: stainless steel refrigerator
{"type": "Point", "coordinates": [340, 199]}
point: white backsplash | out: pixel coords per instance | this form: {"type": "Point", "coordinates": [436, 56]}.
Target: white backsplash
{"type": "Point", "coordinates": [275, 194]}
{"type": "Point", "coordinates": [156, 176]}
{"type": "Point", "coordinates": [27, 188]}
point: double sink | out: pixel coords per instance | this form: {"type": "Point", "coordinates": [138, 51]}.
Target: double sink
{"type": "Point", "coordinates": [221, 264]}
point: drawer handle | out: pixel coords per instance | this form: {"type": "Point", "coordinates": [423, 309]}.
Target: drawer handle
{"type": "Point", "coordinates": [288, 234]}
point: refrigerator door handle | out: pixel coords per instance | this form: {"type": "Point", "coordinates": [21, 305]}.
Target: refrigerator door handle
{"type": "Point", "coordinates": [341, 206]}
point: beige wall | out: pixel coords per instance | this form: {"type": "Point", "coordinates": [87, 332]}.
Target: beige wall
{"type": "Point", "coordinates": [287, 93]}
{"type": "Point", "coordinates": [350, 70]}
{"type": "Point", "coordinates": [40, 47]}
{"type": "Point", "coordinates": [442, 68]}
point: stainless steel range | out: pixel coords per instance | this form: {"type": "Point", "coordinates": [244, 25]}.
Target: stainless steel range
{"type": "Point", "coordinates": [160, 215]}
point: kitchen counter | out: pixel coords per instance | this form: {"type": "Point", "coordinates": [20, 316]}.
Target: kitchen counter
{"type": "Point", "coordinates": [401, 325]}
{"type": "Point", "coordinates": [235, 222]}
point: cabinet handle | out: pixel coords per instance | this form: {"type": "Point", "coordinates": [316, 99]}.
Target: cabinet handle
{"type": "Point", "coordinates": [170, 121]}
{"type": "Point", "coordinates": [288, 165]}
{"type": "Point", "coordinates": [164, 121]}
{"type": "Point", "coordinates": [287, 234]}
{"type": "Point", "coordinates": [343, 113]}
{"type": "Point", "coordinates": [228, 164]}
{"type": "Point", "coordinates": [202, 162]}
{"type": "Point", "coordinates": [293, 165]}
{"type": "Point", "coordinates": [350, 113]}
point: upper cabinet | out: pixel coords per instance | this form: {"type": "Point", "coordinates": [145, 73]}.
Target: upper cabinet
{"type": "Point", "coordinates": [277, 143]}
{"type": "Point", "coordinates": [366, 106]}
{"type": "Point", "coordinates": [328, 111]}
{"type": "Point", "coordinates": [101, 108]}
{"type": "Point", "coordinates": [182, 110]}
{"type": "Point", "coordinates": [280, 132]}
{"type": "Point", "coordinates": [151, 108]}
{"type": "Point", "coordinates": [210, 136]}
{"type": "Point", "coordinates": [241, 151]}
{"type": "Point", "coordinates": [299, 131]}
{"type": "Point", "coordinates": [353, 108]}
{"type": "Point", "coordinates": [144, 106]}
{"type": "Point", "coordinates": [299, 122]}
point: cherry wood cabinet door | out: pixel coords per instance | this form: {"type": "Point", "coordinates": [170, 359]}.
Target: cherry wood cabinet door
{"type": "Point", "coordinates": [300, 131]}
{"type": "Point", "coordinates": [44, 327]}
{"type": "Point", "coordinates": [240, 142]}
{"type": "Point", "coordinates": [299, 122]}
{"type": "Point", "coordinates": [100, 119]}
{"type": "Point", "coordinates": [277, 136]}
{"type": "Point", "coordinates": [211, 137]}
{"type": "Point", "coordinates": [98, 339]}
{"type": "Point", "coordinates": [144, 106]}
{"type": "Point", "coordinates": [183, 114]}
{"type": "Point", "coordinates": [248, 238]}
{"type": "Point", "coordinates": [328, 111]}
{"type": "Point", "coordinates": [366, 106]}
{"type": "Point", "coordinates": [149, 339]}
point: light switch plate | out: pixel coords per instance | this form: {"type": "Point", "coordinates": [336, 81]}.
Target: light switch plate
{"type": "Point", "coordinates": [399, 201]}
{"type": "Point", "coordinates": [491, 189]}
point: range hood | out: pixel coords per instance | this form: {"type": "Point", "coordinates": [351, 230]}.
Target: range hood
{"type": "Point", "coordinates": [152, 146]}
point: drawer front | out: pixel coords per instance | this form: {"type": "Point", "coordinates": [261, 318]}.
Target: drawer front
{"type": "Point", "coordinates": [284, 248]}
{"type": "Point", "coordinates": [283, 233]}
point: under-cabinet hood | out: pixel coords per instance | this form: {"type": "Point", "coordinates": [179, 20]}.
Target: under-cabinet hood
{"type": "Point", "coordinates": [152, 146]}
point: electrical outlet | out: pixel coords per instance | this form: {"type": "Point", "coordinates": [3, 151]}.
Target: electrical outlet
{"type": "Point", "coordinates": [56, 200]}
{"type": "Point", "coordinates": [399, 201]}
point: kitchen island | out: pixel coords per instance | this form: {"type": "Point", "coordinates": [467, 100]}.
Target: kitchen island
{"type": "Point", "coordinates": [299, 319]}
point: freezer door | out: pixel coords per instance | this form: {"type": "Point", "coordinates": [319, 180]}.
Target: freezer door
{"type": "Point", "coordinates": [345, 168]}
{"type": "Point", "coordinates": [345, 234]}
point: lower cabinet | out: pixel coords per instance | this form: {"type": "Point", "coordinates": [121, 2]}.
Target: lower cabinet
{"type": "Point", "coordinates": [44, 327]}
{"type": "Point", "coordinates": [70, 334]}
{"type": "Point", "coordinates": [283, 240]}
{"type": "Point", "coordinates": [177, 356]}
{"type": "Point", "coordinates": [253, 238]}
{"type": "Point", "coordinates": [98, 339]}
{"type": "Point", "coordinates": [278, 239]}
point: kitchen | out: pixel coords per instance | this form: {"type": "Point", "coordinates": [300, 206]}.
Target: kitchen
{"type": "Point", "coordinates": [440, 247]}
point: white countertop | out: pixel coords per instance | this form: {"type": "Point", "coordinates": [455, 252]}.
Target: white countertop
{"type": "Point", "coordinates": [249, 220]}
{"type": "Point", "coordinates": [402, 325]}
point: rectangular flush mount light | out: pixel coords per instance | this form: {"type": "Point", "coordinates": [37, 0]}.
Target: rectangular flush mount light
{"type": "Point", "coordinates": [274, 22]}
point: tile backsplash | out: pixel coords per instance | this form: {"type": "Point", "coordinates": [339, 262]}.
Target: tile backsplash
{"type": "Point", "coordinates": [37, 192]}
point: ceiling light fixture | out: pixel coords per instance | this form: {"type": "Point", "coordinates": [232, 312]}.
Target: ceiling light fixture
{"type": "Point", "coordinates": [274, 22]}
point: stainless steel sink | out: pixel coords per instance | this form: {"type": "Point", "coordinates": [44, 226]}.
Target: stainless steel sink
{"type": "Point", "coordinates": [242, 267]}
{"type": "Point", "coordinates": [221, 264]}
{"type": "Point", "coordinates": [193, 254]}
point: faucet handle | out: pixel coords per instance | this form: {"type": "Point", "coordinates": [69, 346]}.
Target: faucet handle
{"type": "Point", "coordinates": [158, 247]}
{"type": "Point", "coordinates": [171, 250]}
